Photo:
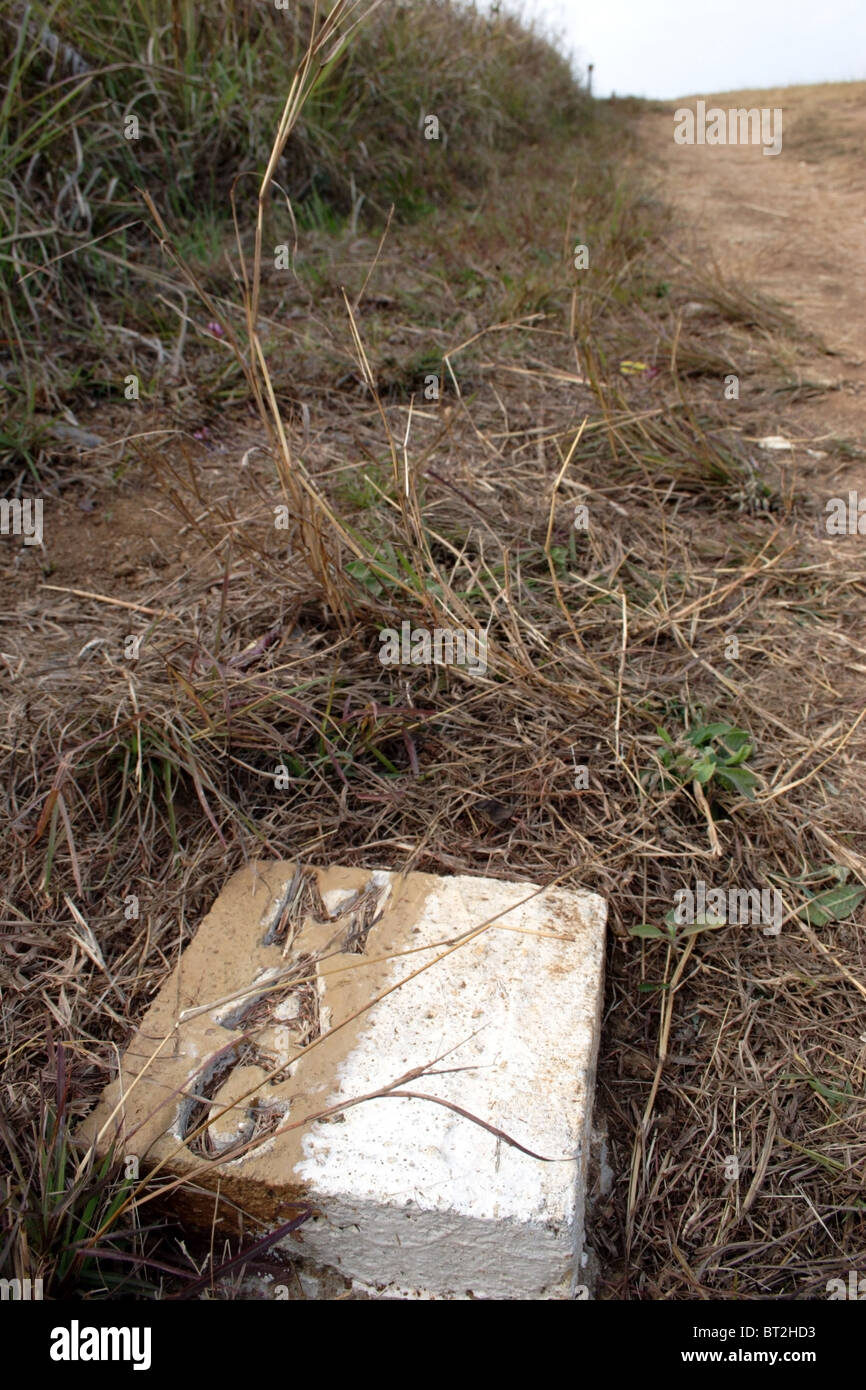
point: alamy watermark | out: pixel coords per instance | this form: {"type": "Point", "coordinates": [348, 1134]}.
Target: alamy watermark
{"type": "Point", "coordinates": [77, 1343]}
{"type": "Point", "coordinates": [22, 517]}
{"type": "Point", "coordinates": [443, 646]}
{"type": "Point", "coordinates": [21, 1290]}
{"type": "Point", "coordinates": [855, 1288]}
{"type": "Point", "coordinates": [738, 126]}
{"type": "Point", "coordinates": [845, 518]}
{"type": "Point", "coordinates": [737, 907]}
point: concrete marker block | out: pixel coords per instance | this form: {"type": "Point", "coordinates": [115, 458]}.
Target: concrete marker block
{"type": "Point", "coordinates": [412, 1195]}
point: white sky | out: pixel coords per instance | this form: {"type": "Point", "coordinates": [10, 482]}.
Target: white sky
{"type": "Point", "coordinates": [669, 48]}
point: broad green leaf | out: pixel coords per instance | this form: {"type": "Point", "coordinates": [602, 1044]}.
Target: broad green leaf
{"type": "Point", "coordinates": [837, 871]}
{"type": "Point", "coordinates": [699, 734]}
{"type": "Point", "coordinates": [742, 753]}
{"type": "Point", "coordinates": [830, 1092]}
{"type": "Point", "coordinates": [733, 740]}
{"type": "Point", "coordinates": [704, 768]}
{"type": "Point", "coordinates": [646, 929]}
{"type": "Point", "coordinates": [740, 779]}
{"type": "Point", "coordinates": [358, 570]}
{"type": "Point", "coordinates": [705, 923]}
{"type": "Point", "coordinates": [833, 906]}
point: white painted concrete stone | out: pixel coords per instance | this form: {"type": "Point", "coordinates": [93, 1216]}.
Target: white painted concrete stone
{"type": "Point", "coordinates": [415, 1197]}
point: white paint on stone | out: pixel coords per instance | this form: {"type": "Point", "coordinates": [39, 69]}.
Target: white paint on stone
{"type": "Point", "coordinates": [433, 1200]}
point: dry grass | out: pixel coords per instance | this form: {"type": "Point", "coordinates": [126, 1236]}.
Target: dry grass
{"type": "Point", "coordinates": [154, 776]}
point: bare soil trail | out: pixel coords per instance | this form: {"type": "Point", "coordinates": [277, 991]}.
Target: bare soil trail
{"type": "Point", "coordinates": [792, 225]}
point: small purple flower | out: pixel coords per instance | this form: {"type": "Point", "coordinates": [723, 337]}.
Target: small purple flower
{"type": "Point", "coordinates": [216, 329]}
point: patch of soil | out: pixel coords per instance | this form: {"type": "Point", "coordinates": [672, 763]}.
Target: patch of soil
{"type": "Point", "coordinates": [794, 226]}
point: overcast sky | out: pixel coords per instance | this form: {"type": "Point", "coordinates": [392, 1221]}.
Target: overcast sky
{"type": "Point", "coordinates": [669, 48]}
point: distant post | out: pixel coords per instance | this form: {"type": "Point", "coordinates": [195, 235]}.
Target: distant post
{"type": "Point", "coordinates": [589, 69]}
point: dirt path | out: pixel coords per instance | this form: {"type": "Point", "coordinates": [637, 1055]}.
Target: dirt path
{"type": "Point", "coordinates": [791, 225]}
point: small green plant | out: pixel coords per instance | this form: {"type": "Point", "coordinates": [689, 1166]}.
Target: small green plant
{"type": "Point", "coordinates": [364, 490]}
{"type": "Point", "coordinates": [674, 932]}
{"type": "Point", "coordinates": [389, 569]}
{"type": "Point", "coordinates": [713, 755]}
{"type": "Point", "coordinates": [837, 1093]}
{"type": "Point", "coordinates": [824, 905]}
{"type": "Point", "coordinates": [834, 905]}
{"type": "Point", "coordinates": [57, 1200]}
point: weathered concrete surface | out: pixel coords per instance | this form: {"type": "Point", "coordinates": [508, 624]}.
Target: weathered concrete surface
{"type": "Point", "coordinates": [411, 1194]}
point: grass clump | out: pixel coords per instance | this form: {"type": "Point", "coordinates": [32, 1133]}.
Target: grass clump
{"type": "Point", "coordinates": [104, 101]}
